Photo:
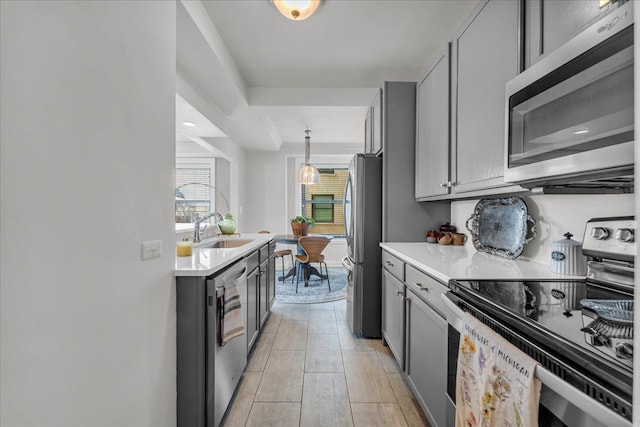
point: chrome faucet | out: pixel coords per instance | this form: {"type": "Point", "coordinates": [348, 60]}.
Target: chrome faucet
{"type": "Point", "coordinates": [196, 225]}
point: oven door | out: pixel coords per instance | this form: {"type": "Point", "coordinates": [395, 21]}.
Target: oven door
{"type": "Point", "coordinates": [569, 117]}
{"type": "Point", "coordinates": [560, 403]}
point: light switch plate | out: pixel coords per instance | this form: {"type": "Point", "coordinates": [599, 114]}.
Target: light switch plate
{"type": "Point", "coordinates": [151, 249]}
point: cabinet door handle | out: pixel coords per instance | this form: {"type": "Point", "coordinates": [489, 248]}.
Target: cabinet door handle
{"type": "Point", "coordinates": [446, 184]}
{"type": "Point", "coordinates": [399, 293]}
{"type": "Point", "coordinates": [389, 263]}
{"type": "Point", "coordinates": [422, 288]}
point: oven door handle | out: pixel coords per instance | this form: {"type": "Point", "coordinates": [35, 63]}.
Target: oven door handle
{"type": "Point", "coordinates": [592, 407]}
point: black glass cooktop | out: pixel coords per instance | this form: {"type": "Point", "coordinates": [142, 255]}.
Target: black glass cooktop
{"type": "Point", "coordinates": [553, 308]}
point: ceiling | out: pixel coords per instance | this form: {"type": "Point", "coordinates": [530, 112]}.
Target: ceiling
{"type": "Point", "coordinates": [250, 76]}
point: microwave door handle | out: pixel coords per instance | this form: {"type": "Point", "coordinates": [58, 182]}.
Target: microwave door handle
{"type": "Point", "coordinates": [551, 381]}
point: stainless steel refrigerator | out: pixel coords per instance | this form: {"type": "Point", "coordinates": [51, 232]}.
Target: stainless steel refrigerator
{"type": "Point", "coordinates": [363, 229]}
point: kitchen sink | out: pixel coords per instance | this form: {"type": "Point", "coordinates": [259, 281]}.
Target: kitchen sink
{"type": "Point", "coordinates": [228, 243]}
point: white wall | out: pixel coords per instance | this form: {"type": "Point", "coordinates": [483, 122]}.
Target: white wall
{"type": "Point", "coordinates": [271, 191]}
{"type": "Point", "coordinates": [87, 157]}
{"type": "Point", "coordinates": [271, 197]}
{"type": "Point", "coordinates": [555, 215]}
{"type": "Point", "coordinates": [265, 192]}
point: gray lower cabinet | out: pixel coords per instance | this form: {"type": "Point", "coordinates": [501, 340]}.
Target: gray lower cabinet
{"type": "Point", "coordinates": [426, 358]}
{"type": "Point", "coordinates": [263, 287]}
{"type": "Point", "coordinates": [485, 56]}
{"type": "Point", "coordinates": [253, 284]}
{"type": "Point", "coordinates": [393, 315]}
{"type": "Point", "coordinates": [271, 276]}
{"type": "Point", "coordinates": [432, 131]}
{"type": "Point", "coordinates": [266, 284]}
{"type": "Point", "coordinates": [551, 23]}
{"type": "Point", "coordinates": [415, 329]}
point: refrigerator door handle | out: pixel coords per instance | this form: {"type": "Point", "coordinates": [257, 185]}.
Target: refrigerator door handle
{"type": "Point", "coordinates": [348, 209]}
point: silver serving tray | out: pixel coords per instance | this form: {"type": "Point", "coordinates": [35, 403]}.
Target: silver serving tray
{"type": "Point", "coordinates": [501, 226]}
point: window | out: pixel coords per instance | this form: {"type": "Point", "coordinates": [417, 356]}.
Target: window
{"type": "Point", "coordinates": [194, 197]}
{"type": "Point", "coordinates": [322, 207]}
{"type": "Point", "coordinates": [324, 201]}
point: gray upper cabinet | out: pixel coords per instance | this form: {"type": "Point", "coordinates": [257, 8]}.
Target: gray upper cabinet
{"type": "Point", "coordinates": [368, 146]}
{"type": "Point", "coordinates": [403, 219]}
{"type": "Point", "coordinates": [551, 23]}
{"type": "Point", "coordinates": [373, 126]}
{"type": "Point", "coordinates": [485, 56]}
{"type": "Point", "coordinates": [376, 119]}
{"type": "Point", "coordinates": [432, 131]}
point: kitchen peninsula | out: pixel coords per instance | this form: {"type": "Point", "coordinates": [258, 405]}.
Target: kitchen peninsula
{"type": "Point", "coordinates": [222, 273]}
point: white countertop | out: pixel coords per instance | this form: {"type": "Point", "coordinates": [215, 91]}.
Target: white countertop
{"type": "Point", "coordinates": [206, 261]}
{"type": "Point", "coordinates": [445, 262]}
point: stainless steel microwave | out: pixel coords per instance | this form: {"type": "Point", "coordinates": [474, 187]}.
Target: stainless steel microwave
{"type": "Point", "coordinates": [569, 117]}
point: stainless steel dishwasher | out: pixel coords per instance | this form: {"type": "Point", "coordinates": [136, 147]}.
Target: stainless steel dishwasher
{"type": "Point", "coordinates": [230, 359]}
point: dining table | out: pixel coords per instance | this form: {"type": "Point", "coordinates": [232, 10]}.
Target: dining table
{"type": "Point", "coordinates": [290, 239]}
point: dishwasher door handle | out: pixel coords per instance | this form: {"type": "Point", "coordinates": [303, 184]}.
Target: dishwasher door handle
{"type": "Point", "coordinates": [236, 276]}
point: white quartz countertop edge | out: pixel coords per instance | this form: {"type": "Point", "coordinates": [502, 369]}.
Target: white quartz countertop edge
{"type": "Point", "coordinates": [206, 261]}
{"type": "Point", "coordinates": [446, 262]}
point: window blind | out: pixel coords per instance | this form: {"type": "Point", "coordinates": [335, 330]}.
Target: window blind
{"type": "Point", "coordinates": [198, 199]}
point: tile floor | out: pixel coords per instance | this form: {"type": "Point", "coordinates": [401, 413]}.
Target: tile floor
{"type": "Point", "coordinates": [307, 369]}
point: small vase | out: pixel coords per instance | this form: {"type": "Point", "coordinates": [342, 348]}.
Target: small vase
{"type": "Point", "coordinates": [227, 225]}
{"type": "Point", "coordinates": [300, 228]}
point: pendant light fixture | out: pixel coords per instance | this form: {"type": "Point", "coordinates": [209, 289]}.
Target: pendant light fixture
{"type": "Point", "coordinates": [308, 174]}
{"type": "Point", "coordinates": [296, 10]}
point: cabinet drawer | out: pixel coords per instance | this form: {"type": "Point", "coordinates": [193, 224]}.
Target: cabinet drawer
{"type": "Point", "coordinates": [264, 252]}
{"type": "Point", "coordinates": [252, 261]}
{"type": "Point", "coordinates": [393, 265]}
{"type": "Point", "coordinates": [427, 288]}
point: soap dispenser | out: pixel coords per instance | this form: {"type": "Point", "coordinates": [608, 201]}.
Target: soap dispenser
{"type": "Point", "coordinates": [567, 258]}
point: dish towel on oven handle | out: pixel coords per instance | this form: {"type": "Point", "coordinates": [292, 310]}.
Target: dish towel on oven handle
{"type": "Point", "coordinates": [231, 324]}
{"type": "Point", "coordinates": [495, 381]}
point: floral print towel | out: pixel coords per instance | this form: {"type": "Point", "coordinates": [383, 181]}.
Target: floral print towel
{"type": "Point", "coordinates": [495, 381]}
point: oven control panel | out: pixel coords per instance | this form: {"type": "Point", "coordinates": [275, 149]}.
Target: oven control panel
{"type": "Point", "coordinates": [612, 238]}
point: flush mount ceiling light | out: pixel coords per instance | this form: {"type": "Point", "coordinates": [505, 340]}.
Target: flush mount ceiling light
{"type": "Point", "coordinates": [308, 174]}
{"type": "Point", "coordinates": [296, 10]}
{"type": "Point", "coordinates": [189, 124]}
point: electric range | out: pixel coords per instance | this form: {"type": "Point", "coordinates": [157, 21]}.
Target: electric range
{"type": "Point", "coordinates": [581, 330]}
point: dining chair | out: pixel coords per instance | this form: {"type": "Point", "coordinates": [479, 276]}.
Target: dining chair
{"type": "Point", "coordinates": [281, 254]}
{"type": "Point", "coordinates": [312, 246]}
